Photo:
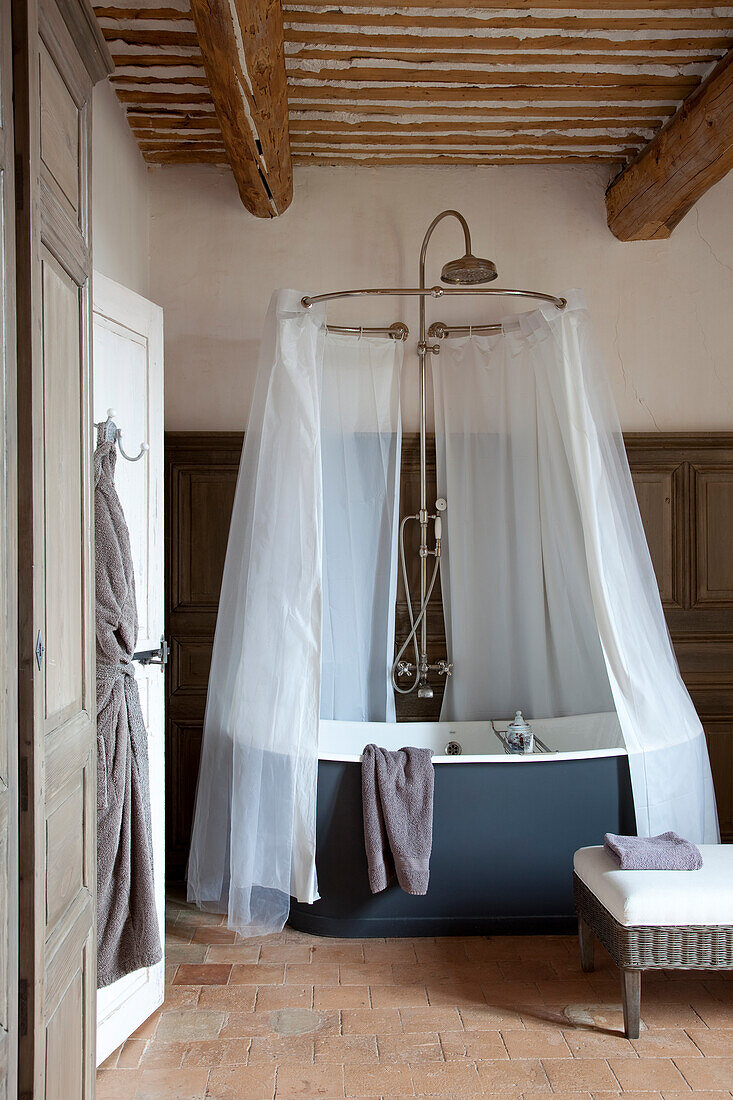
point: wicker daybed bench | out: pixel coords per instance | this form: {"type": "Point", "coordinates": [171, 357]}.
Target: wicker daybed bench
{"type": "Point", "coordinates": [654, 919]}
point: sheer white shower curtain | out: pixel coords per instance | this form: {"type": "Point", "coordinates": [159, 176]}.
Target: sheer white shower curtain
{"type": "Point", "coordinates": [361, 444]}
{"type": "Point", "coordinates": [551, 600]}
{"type": "Point", "coordinates": [317, 399]}
{"type": "Point", "coordinates": [519, 615]}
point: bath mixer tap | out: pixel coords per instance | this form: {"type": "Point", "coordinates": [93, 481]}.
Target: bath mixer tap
{"type": "Point", "coordinates": [407, 668]}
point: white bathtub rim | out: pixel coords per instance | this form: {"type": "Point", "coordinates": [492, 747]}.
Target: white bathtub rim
{"type": "Point", "coordinates": [497, 758]}
{"type": "Point", "coordinates": [436, 734]}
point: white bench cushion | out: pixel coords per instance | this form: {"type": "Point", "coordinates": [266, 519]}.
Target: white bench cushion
{"type": "Point", "coordinates": [662, 897]}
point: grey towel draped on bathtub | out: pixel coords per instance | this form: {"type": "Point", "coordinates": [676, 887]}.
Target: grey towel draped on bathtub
{"type": "Point", "coordinates": [397, 799]}
{"type": "Point", "coordinates": [128, 933]}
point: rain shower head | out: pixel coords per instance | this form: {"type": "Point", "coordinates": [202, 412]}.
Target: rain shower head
{"type": "Point", "coordinates": [468, 271]}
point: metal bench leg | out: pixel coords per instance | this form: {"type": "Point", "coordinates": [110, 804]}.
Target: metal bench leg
{"type": "Point", "coordinates": [587, 945]}
{"type": "Point", "coordinates": [631, 995]}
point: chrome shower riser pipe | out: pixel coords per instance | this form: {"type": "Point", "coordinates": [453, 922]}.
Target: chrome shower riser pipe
{"type": "Point", "coordinates": [423, 350]}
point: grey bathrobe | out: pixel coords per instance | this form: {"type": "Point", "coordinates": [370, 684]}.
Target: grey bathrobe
{"type": "Point", "coordinates": [128, 933]}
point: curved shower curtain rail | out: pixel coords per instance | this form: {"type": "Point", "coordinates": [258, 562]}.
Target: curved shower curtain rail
{"type": "Point", "coordinates": [398, 330]}
{"type": "Point", "coordinates": [432, 292]}
{"type": "Point", "coordinates": [439, 330]}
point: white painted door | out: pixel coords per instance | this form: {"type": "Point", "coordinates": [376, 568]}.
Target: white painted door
{"type": "Point", "coordinates": [127, 371]}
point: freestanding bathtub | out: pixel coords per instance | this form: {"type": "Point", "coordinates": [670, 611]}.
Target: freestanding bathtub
{"type": "Point", "coordinates": [504, 831]}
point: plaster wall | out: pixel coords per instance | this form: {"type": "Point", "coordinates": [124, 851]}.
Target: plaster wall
{"type": "Point", "coordinates": [663, 310]}
{"type": "Point", "coordinates": [120, 196]}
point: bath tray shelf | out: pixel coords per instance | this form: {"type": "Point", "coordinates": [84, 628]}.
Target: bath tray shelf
{"type": "Point", "coordinates": [543, 748]}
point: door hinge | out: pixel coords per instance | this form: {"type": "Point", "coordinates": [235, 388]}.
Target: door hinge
{"type": "Point", "coordinates": [40, 650]}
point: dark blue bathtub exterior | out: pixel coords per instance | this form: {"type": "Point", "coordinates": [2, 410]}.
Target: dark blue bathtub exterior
{"type": "Point", "coordinates": [503, 841]}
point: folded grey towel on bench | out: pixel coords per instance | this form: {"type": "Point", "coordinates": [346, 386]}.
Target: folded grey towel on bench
{"type": "Point", "coordinates": [666, 852]}
{"type": "Point", "coordinates": [397, 799]}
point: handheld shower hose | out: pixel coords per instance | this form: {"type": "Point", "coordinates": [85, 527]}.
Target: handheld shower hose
{"type": "Point", "coordinates": [414, 622]}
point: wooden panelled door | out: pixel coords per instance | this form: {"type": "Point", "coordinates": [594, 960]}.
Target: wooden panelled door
{"type": "Point", "coordinates": [128, 378]}
{"type": "Point", "coordinates": [58, 54]}
{"type": "Point", "coordinates": [8, 592]}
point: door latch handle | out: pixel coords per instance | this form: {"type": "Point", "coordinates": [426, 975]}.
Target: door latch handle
{"type": "Point", "coordinates": [154, 656]}
{"type": "Point", "coordinates": [40, 650]}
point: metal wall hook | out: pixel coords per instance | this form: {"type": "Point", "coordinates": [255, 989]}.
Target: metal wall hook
{"type": "Point", "coordinates": [113, 434]}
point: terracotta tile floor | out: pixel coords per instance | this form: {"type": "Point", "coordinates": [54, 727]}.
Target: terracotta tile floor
{"type": "Point", "coordinates": [295, 1017]}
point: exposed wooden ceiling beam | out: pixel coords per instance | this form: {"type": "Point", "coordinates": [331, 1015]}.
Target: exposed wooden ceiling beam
{"type": "Point", "coordinates": [242, 46]}
{"type": "Point", "coordinates": [691, 153]}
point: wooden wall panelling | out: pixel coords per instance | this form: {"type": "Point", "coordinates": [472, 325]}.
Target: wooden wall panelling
{"type": "Point", "coordinates": [712, 487]}
{"type": "Point", "coordinates": [700, 619]}
{"type": "Point", "coordinates": [662, 492]}
{"type": "Point", "coordinates": [683, 484]}
{"type": "Point", "coordinates": [720, 747]}
{"type": "Point", "coordinates": [694, 453]}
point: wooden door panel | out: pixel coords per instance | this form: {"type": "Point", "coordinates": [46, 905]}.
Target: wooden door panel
{"type": "Point", "coordinates": [59, 130]}
{"type": "Point", "coordinates": [8, 926]}
{"type": "Point", "coordinates": [130, 352]}
{"type": "Point", "coordinates": [64, 490]}
{"type": "Point", "coordinates": [201, 477]}
{"type": "Point", "coordinates": [205, 500]}
{"type": "Point", "coordinates": [54, 67]}
{"type": "Point", "coordinates": [64, 852]}
{"type": "Point", "coordinates": [190, 665]}
{"type": "Point", "coordinates": [8, 588]}
{"type": "Point", "coordinates": [128, 377]}
{"type": "Point", "coordinates": [64, 1042]}
{"type": "Point", "coordinates": [183, 753]}
{"type": "Point", "coordinates": [68, 1010]}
